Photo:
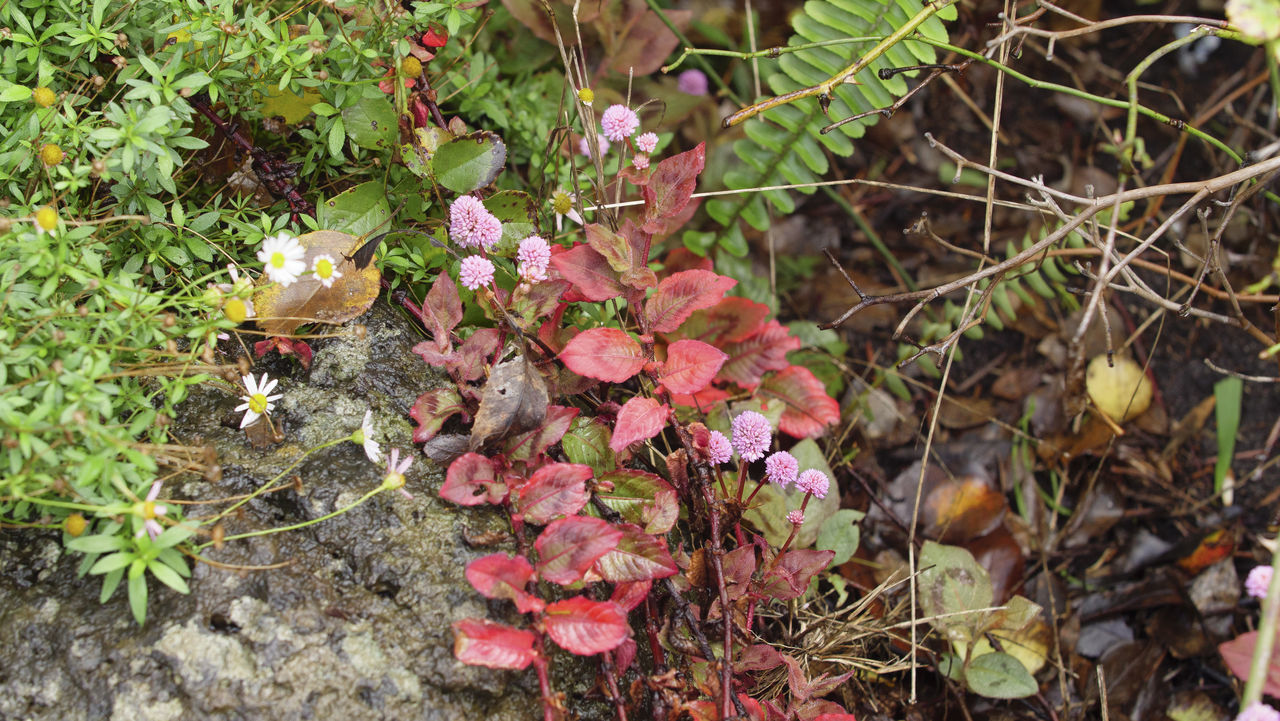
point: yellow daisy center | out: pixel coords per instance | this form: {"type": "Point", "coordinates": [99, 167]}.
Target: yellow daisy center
{"type": "Point", "coordinates": [277, 259]}
{"type": "Point", "coordinates": [149, 510]}
{"type": "Point", "coordinates": [235, 310]}
{"type": "Point", "coordinates": [394, 481]}
{"type": "Point", "coordinates": [324, 268]}
{"type": "Point", "coordinates": [258, 403]}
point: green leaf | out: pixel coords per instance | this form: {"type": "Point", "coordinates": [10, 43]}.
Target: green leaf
{"type": "Point", "coordinates": [999, 675]}
{"type": "Point", "coordinates": [14, 93]}
{"type": "Point", "coordinates": [172, 536]}
{"type": "Point", "coordinates": [519, 215]}
{"type": "Point", "coordinates": [356, 210]}
{"type": "Point", "coordinates": [469, 162]}
{"type": "Point", "coordinates": [587, 442]}
{"type": "Point", "coordinates": [840, 533]}
{"type": "Point", "coordinates": [1227, 395]}
{"type": "Point", "coordinates": [109, 584]}
{"type": "Point", "coordinates": [168, 576]}
{"type": "Point", "coordinates": [951, 582]}
{"type": "Point", "coordinates": [138, 597]}
{"type": "Point", "coordinates": [371, 123]}
{"type": "Point", "coordinates": [1258, 19]}
{"type": "Point", "coordinates": [97, 544]}
{"type": "Point", "coordinates": [337, 138]}
{"type": "Point", "coordinates": [113, 562]}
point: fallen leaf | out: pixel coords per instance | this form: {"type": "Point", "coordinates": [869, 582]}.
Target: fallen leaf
{"type": "Point", "coordinates": [281, 310]}
{"type": "Point", "coordinates": [515, 400]}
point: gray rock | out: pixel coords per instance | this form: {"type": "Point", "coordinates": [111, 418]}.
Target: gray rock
{"type": "Point", "coordinates": [352, 620]}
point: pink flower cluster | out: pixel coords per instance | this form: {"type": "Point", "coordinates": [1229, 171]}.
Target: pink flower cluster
{"type": "Point", "coordinates": [719, 448]}
{"type": "Point", "coordinates": [751, 435]}
{"type": "Point", "coordinates": [534, 257]}
{"type": "Point", "coordinates": [584, 148]}
{"type": "Point", "coordinates": [1258, 581]}
{"type": "Point", "coordinates": [814, 482]}
{"type": "Point", "coordinates": [781, 468]}
{"type": "Point", "coordinates": [647, 142]}
{"type": "Point", "coordinates": [619, 122]}
{"type": "Point", "coordinates": [476, 271]}
{"type": "Point", "coordinates": [471, 225]}
{"type": "Point", "coordinates": [1258, 711]}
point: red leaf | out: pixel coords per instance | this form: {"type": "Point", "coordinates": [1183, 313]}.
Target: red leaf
{"type": "Point", "coordinates": [638, 557]}
{"type": "Point", "coordinates": [442, 311]}
{"type": "Point", "coordinates": [639, 420]}
{"type": "Point", "coordinates": [732, 319]}
{"type": "Point", "coordinates": [702, 400]}
{"type": "Point", "coordinates": [589, 272]}
{"type": "Point", "coordinates": [684, 259]}
{"type": "Point", "coordinates": [499, 575]}
{"type": "Point", "coordinates": [690, 366]}
{"type": "Point", "coordinates": [286, 346]}
{"type": "Point", "coordinates": [680, 294]}
{"type": "Point", "coordinates": [611, 246]}
{"type": "Point", "coordinates": [434, 38]}
{"type": "Point", "coordinates": [835, 717]}
{"type": "Point", "coordinates": [478, 642]}
{"type": "Point", "coordinates": [757, 657]}
{"type": "Point", "coordinates": [670, 186]}
{"type": "Point", "coordinates": [641, 498]}
{"type": "Point", "coordinates": [630, 594]}
{"type": "Point", "coordinates": [639, 275]}
{"type": "Point", "coordinates": [472, 357]}
{"type": "Point", "coordinates": [567, 548]}
{"type": "Point", "coordinates": [795, 569]}
{"type": "Point", "coordinates": [765, 351]}
{"type": "Point", "coordinates": [585, 627]}
{"type": "Point", "coordinates": [624, 655]}
{"type": "Point", "coordinates": [432, 409]}
{"type": "Point", "coordinates": [470, 481]}
{"type": "Point", "coordinates": [527, 446]}
{"type": "Point", "coordinates": [606, 354]}
{"type": "Point", "coordinates": [1238, 655]}
{"type": "Point", "coordinates": [808, 410]}
{"type": "Point", "coordinates": [558, 489]}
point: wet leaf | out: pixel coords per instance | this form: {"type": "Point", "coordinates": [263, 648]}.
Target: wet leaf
{"type": "Point", "coordinates": [589, 272]}
{"type": "Point", "coordinates": [808, 410]}
{"type": "Point", "coordinates": [765, 351]}
{"type": "Point", "coordinates": [690, 366]}
{"type": "Point", "coordinates": [585, 627]}
{"type": "Point", "coordinates": [641, 498]}
{"type": "Point", "coordinates": [417, 154]}
{"type": "Point", "coordinates": [478, 642]}
{"type": "Point", "coordinates": [519, 215]}
{"type": "Point", "coordinates": [682, 293]}
{"type": "Point", "coordinates": [515, 400]}
{"type": "Point", "coordinates": [554, 490]}
{"type": "Point", "coordinates": [638, 556]}
{"type": "Point", "coordinates": [529, 445]}
{"type": "Point", "coordinates": [501, 576]}
{"type": "Point", "coordinates": [471, 480]}
{"type": "Point", "coordinates": [840, 534]}
{"type": "Point", "coordinates": [371, 122]}
{"type": "Point", "coordinates": [588, 442]}
{"type": "Point", "coordinates": [281, 310]}
{"type": "Point", "coordinates": [606, 354]}
{"type": "Point", "coordinates": [951, 582]}
{"type": "Point", "coordinates": [999, 675]}
{"type": "Point", "coordinates": [567, 548]}
{"type": "Point", "coordinates": [670, 186]}
{"type": "Point", "coordinates": [432, 409]}
{"type": "Point", "coordinates": [469, 162]}
{"type": "Point", "coordinates": [963, 508]}
{"type": "Point", "coordinates": [640, 419]}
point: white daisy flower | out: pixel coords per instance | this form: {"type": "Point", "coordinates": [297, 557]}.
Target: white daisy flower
{"type": "Point", "coordinates": [256, 401]}
{"type": "Point", "coordinates": [364, 437]}
{"type": "Point", "coordinates": [325, 269]}
{"type": "Point", "coordinates": [283, 256]}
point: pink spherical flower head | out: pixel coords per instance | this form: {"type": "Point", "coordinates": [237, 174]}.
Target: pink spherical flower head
{"type": "Point", "coordinates": [487, 231]}
{"type": "Point", "coordinates": [647, 142]}
{"type": "Point", "coordinates": [795, 517]}
{"type": "Point", "coordinates": [692, 82]}
{"type": "Point", "coordinates": [641, 161]}
{"type": "Point", "coordinates": [1258, 581]}
{"type": "Point", "coordinates": [814, 482]}
{"type": "Point", "coordinates": [619, 122]}
{"type": "Point", "coordinates": [1258, 711]}
{"type": "Point", "coordinates": [534, 256]}
{"type": "Point", "coordinates": [464, 213]}
{"type": "Point", "coordinates": [475, 272]}
{"type": "Point", "coordinates": [781, 468]}
{"type": "Point", "coordinates": [751, 435]}
{"type": "Point", "coordinates": [719, 448]}
{"type": "Point", "coordinates": [585, 149]}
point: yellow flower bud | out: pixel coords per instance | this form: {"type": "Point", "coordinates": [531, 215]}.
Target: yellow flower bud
{"type": "Point", "coordinates": [410, 67]}
{"type": "Point", "coordinates": [47, 218]}
{"type": "Point", "coordinates": [75, 524]}
{"type": "Point", "coordinates": [235, 310]}
{"type": "Point", "coordinates": [44, 97]}
{"type": "Point", "coordinates": [51, 154]}
{"type": "Point", "coordinates": [587, 96]}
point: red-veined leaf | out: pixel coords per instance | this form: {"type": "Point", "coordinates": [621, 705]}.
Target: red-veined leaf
{"type": "Point", "coordinates": [606, 354]}
{"type": "Point", "coordinates": [630, 594]}
{"type": "Point", "coordinates": [637, 557]}
{"type": "Point", "coordinates": [807, 409]}
{"type": "Point", "coordinates": [585, 627]}
{"type": "Point", "coordinates": [670, 185]}
{"type": "Point", "coordinates": [641, 498]}
{"type": "Point", "coordinates": [558, 489]}
{"type": "Point", "coordinates": [639, 276]}
{"type": "Point", "coordinates": [794, 569]}
{"type": "Point", "coordinates": [471, 481]}
{"type": "Point", "coordinates": [731, 320]}
{"type": "Point", "coordinates": [432, 409]}
{"type": "Point", "coordinates": [442, 311]}
{"type": "Point", "coordinates": [690, 366]}
{"type": "Point", "coordinates": [589, 273]}
{"type": "Point", "coordinates": [610, 245]}
{"type": "Point", "coordinates": [624, 654]}
{"type": "Point", "coordinates": [567, 547]}
{"type": "Point", "coordinates": [765, 351]}
{"type": "Point", "coordinates": [531, 444]}
{"type": "Point", "coordinates": [500, 576]}
{"type": "Point", "coordinates": [684, 259]}
{"type": "Point", "coordinates": [639, 420]}
{"type": "Point", "coordinates": [472, 357]}
{"type": "Point", "coordinates": [478, 642]}
{"type": "Point", "coordinates": [680, 294]}
{"type": "Point", "coordinates": [1238, 655]}
{"type": "Point", "coordinates": [702, 400]}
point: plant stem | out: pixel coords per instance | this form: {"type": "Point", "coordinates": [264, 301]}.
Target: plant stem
{"type": "Point", "coordinates": [706, 67]}
{"type": "Point", "coordinates": [1266, 639]}
{"type": "Point", "coordinates": [303, 524]}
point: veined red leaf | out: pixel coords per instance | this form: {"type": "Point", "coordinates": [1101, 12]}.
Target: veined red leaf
{"type": "Point", "coordinates": [432, 409]}
{"type": "Point", "coordinates": [567, 548]}
{"type": "Point", "coordinates": [442, 311]}
{"type": "Point", "coordinates": [731, 320]}
{"type": "Point", "coordinates": [701, 400]}
{"type": "Point", "coordinates": [765, 351]}
{"type": "Point", "coordinates": [471, 481]}
{"type": "Point", "coordinates": [637, 557]}
{"type": "Point", "coordinates": [640, 419]}
{"type": "Point", "coordinates": [684, 259]}
{"type": "Point", "coordinates": [610, 245]}
{"type": "Point", "coordinates": [472, 357]}
{"type": "Point", "coordinates": [623, 655]}
{"type": "Point", "coordinates": [639, 276]}
{"type": "Point", "coordinates": [807, 409]}
{"type": "Point", "coordinates": [531, 444]}
{"type": "Point", "coordinates": [1238, 655]}
{"type": "Point", "coordinates": [680, 294]}
{"type": "Point", "coordinates": [589, 273]}
{"type": "Point", "coordinates": [690, 366]}
{"type": "Point", "coordinates": [478, 642]}
{"type": "Point", "coordinates": [670, 185]}
{"type": "Point", "coordinates": [606, 354]}
{"type": "Point", "coordinates": [641, 498]}
{"type": "Point", "coordinates": [630, 594]}
{"type": "Point", "coordinates": [558, 489]}
{"type": "Point", "coordinates": [499, 575]}
{"type": "Point", "coordinates": [585, 627]}
{"type": "Point", "coordinates": [795, 568]}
